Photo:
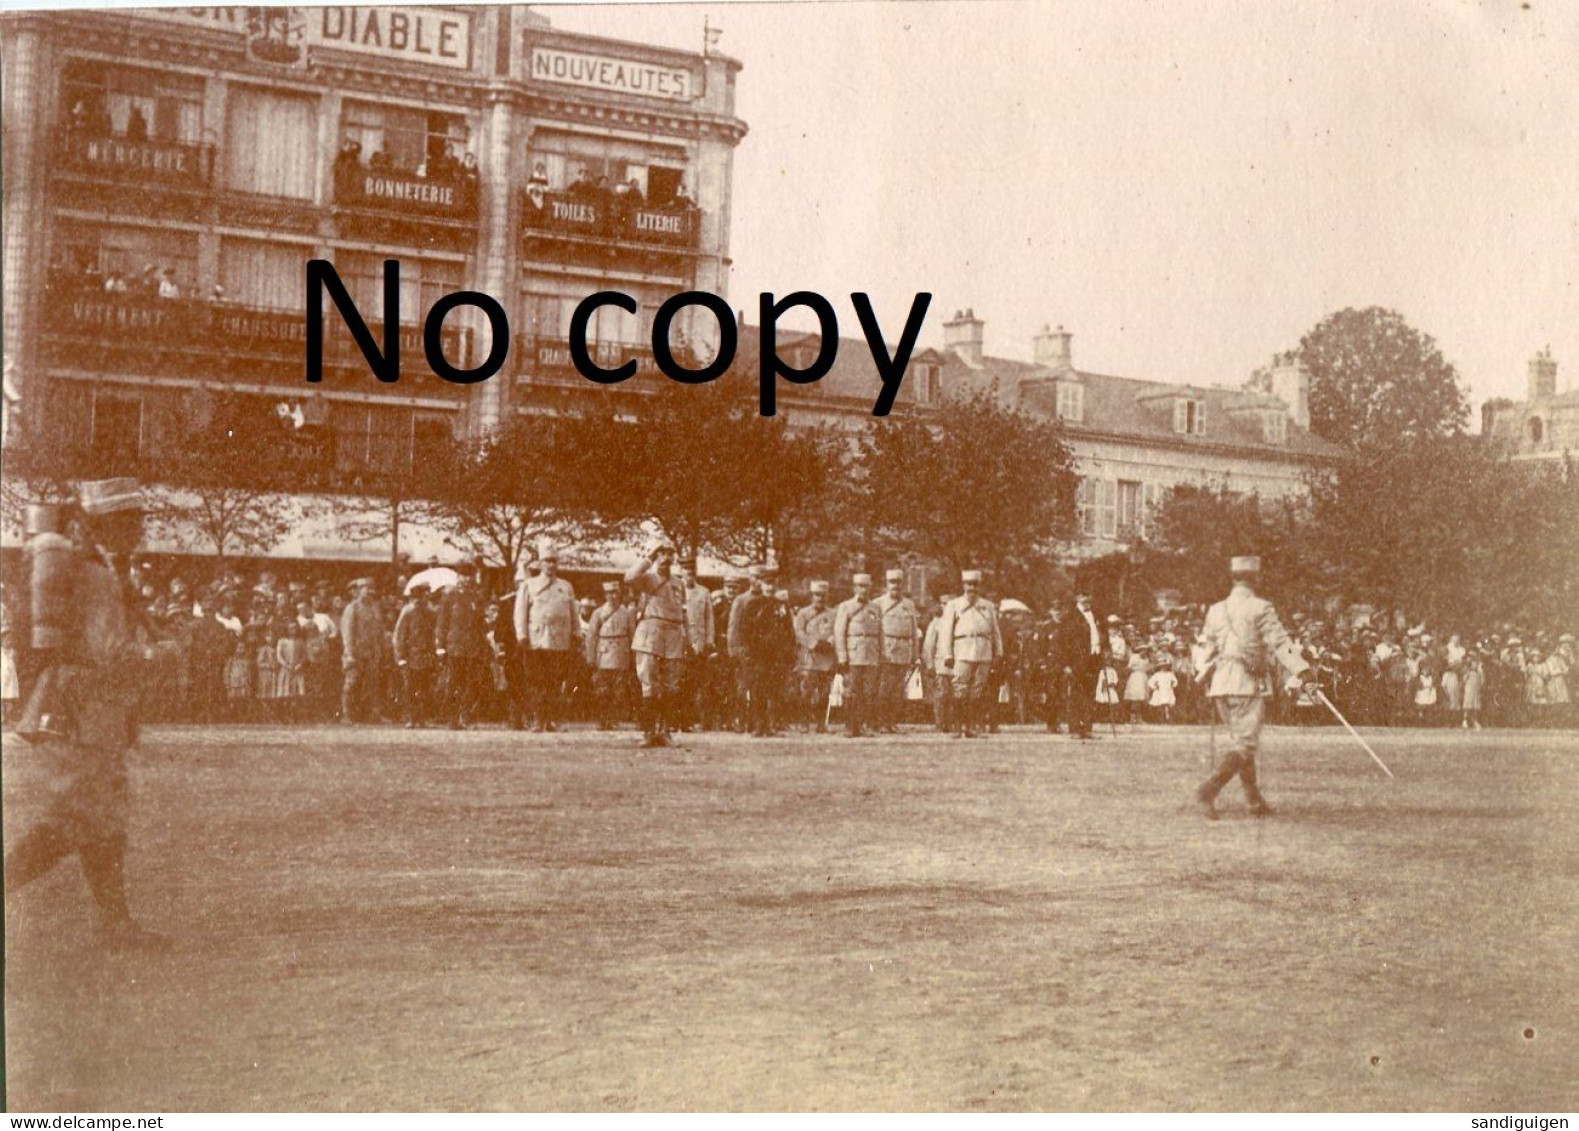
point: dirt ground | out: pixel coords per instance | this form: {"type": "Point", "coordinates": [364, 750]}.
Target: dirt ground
{"type": "Point", "coordinates": [376, 919]}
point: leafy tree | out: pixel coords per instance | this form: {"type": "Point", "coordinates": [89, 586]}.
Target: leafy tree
{"type": "Point", "coordinates": [1197, 529]}
{"type": "Point", "coordinates": [975, 484]}
{"type": "Point", "coordinates": [1374, 380]}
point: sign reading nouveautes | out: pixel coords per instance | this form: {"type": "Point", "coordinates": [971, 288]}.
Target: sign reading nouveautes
{"type": "Point", "coordinates": [605, 72]}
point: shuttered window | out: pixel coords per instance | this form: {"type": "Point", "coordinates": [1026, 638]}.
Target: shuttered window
{"type": "Point", "coordinates": [271, 144]}
{"type": "Point", "coordinates": [270, 275]}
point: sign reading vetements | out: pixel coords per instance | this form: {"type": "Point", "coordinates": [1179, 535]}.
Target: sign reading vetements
{"type": "Point", "coordinates": [604, 72]}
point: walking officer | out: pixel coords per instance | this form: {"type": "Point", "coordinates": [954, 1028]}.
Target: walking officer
{"type": "Point", "coordinates": [660, 641]}
{"type": "Point", "coordinates": [970, 642]}
{"type": "Point", "coordinates": [901, 648]}
{"type": "Point", "coordinates": [609, 635]}
{"type": "Point", "coordinates": [858, 644]}
{"type": "Point", "coordinates": [1243, 639]}
{"type": "Point", "coordinates": [816, 658]}
{"type": "Point", "coordinates": [83, 711]}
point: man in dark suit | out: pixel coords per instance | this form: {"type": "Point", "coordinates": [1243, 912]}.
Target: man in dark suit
{"type": "Point", "coordinates": [461, 639]}
{"type": "Point", "coordinates": [1078, 660]}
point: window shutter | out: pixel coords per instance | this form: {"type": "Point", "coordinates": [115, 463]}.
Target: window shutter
{"type": "Point", "coordinates": [1181, 410]}
{"type": "Point", "coordinates": [1200, 418]}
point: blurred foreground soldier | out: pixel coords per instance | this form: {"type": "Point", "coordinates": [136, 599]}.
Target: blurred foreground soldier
{"type": "Point", "coordinates": [461, 639]}
{"type": "Point", "coordinates": [609, 636]}
{"type": "Point", "coordinates": [816, 659]}
{"type": "Point", "coordinates": [83, 712]}
{"type": "Point", "coordinates": [901, 648]}
{"type": "Point", "coordinates": [1078, 659]}
{"type": "Point", "coordinates": [755, 643]}
{"type": "Point", "coordinates": [1243, 637]}
{"type": "Point", "coordinates": [414, 656]}
{"type": "Point", "coordinates": [548, 624]}
{"type": "Point", "coordinates": [858, 643]}
{"type": "Point", "coordinates": [659, 642]}
{"type": "Point", "coordinates": [362, 647]}
{"type": "Point", "coordinates": [971, 642]}
{"type": "Point", "coordinates": [939, 680]}
{"type": "Point", "coordinates": [699, 640]}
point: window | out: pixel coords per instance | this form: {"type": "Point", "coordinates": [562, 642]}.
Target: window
{"type": "Point", "coordinates": [1096, 503]}
{"type": "Point", "coordinates": [1189, 416]}
{"type": "Point", "coordinates": [116, 431]}
{"type": "Point", "coordinates": [108, 250]}
{"type": "Point", "coordinates": [1071, 401]}
{"type": "Point", "coordinates": [267, 275]}
{"type": "Point", "coordinates": [409, 139]}
{"type": "Point", "coordinates": [271, 144]}
{"type": "Point", "coordinates": [106, 100]}
{"type": "Point", "coordinates": [1275, 428]}
{"type": "Point", "coordinates": [1129, 516]}
{"type": "Point", "coordinates": [422, 283]}
{"type": "Point", "coordinates": [1537, 430]}
{"type": "Point", "coordinates": [926, 383]}
{"type": "Point", "coordinates": [1150, 501]}
{"type": "Point", "coordinates": [659, 172]}
{"type": "Point", "coordinates": [373, 438]}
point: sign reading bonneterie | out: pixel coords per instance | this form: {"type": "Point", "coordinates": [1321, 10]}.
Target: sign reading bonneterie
{"type": "Point", "coordinates": [416, 35]}
{"type": "Point", "coordinates": [605, 72]}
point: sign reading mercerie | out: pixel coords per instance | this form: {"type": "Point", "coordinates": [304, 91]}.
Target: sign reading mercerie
{"type": "Point", "coordinates": [417, 35]}
{"type": "Point", "coordinates": [604, 72]}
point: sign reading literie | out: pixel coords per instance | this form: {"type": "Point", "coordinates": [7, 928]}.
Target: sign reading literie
{"type": "Point", "coordinates": [416, 35]}
{"type": "Point", "coordinates": [602, 72]}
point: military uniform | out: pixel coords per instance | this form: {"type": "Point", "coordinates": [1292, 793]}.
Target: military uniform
{"type": "Point", "coordinates": [548, 625]}
{"type": "Point", "coordinates": [858, 643]}
{"type": "Point", "coordinates": [461, 640]}
{"type": "Point", "coordinates": [1244, 637]}
{"type": "Point", "coordinates": [699, 636]}
{"type": "Point", "coordinates": [971, 641]}
{"type": "Point", "coordinates": [362, 639]}
{"type": "Point", "coordinates": [722, 695]}
{"type": "Point", "coordinates": [414, 658]}
{"type": "Point", "coordinates": [609, 636]}
{"type": "Point", "coordinates": [764, 636]}
{"type": "Point", "coordinates": [815, 661]}
{"type": "Point", "coordinates": [901, 649]}
{"type": "Point", "coordinates": [660, 646]}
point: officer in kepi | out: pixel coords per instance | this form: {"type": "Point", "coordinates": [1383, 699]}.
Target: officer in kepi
{"type": "Point", "coordinates": [1243, 639]}
{"type": "Point", "coordinates": [83, 712]}
{"type": "Point", "coordinates": [970, 641]}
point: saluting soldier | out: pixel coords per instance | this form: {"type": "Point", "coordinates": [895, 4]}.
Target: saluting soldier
{"type": "Point", "coordinates": [699, 639]}
{"type": "Point", "coordinates": [901, 647]}
{"type": "Point", "coordinates": [816, 660]}
{"type": "Point", "coordinates": [858, 643]}
{"type": "Point", "coordinates": [548, 625]}
{"type": "Point", "coordinates": [1243, 638]}
{"type": "Point", "coordinates": [609, 636]}
{"type": "Point", "coordinates": [971, 641]}
{"type": "Point", "coordinates": [660, 640]}
{"type": "Point", "coordinates": [84, 706]}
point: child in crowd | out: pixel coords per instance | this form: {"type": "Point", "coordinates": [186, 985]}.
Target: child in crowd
{"type": "Point", "coordinates": [1474, 681]}
{"type": "Point", "coordinates": [1162, 684]}
{"type": "Point", "coordinates": [291, 679]}
{"type": "Point", "coordinates": [1135, 685]}
{"type": "Point", "coordinates": [238, 679]}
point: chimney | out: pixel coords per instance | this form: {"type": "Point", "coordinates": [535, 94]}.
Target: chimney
{"type": "Point", "coordinates": [962, 335]}
{"type": "Point", "coordinates": [1543, 375]}
{"type": "Point", "coordinates": [1051, 348]}
{"type": "Point", "coordinates": [1291, 385]}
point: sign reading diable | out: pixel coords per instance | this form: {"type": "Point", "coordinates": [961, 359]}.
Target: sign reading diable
{"type": "Point", "coordinates": [416, 35]}
{"type": "Point", "coordinates": [605, 72]}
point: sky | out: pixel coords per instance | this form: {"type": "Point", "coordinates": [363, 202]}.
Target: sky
{"type": "Point", "coordinates": [1188, 187]}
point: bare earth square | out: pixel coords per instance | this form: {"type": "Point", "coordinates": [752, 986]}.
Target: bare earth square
{"type": "Point", "coordinates": [376, 919]}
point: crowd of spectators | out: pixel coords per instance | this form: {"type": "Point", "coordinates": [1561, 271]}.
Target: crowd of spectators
{"type": "Point", "coordinates": [441, 167]}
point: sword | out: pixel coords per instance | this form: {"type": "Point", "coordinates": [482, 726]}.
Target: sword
{"type": "Point", "coordinates": [1337, 714]}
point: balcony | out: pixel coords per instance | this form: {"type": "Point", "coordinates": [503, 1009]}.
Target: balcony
{"type": "Point", "coordinates": [544, 360]}
{"type": "Point", "coordinates": [123, 335]}
{"type": "Point", "coordinates": [603, 230]}
{"type": "Point", "coordinates": [405, 208]}
{"type": "Point", "coordinates": [95, 170]}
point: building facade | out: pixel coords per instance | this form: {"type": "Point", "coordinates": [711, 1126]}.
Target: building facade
{"type": "Point", "coordinates": [1544, 427]}
{"type": "Point", "coordinates": [168, 173]}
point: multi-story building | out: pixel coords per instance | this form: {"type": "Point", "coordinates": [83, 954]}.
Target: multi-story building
{"type": "Point", "coordinates": [168, 173]}
{"type": "Point", "coordinates": [1543, 427]}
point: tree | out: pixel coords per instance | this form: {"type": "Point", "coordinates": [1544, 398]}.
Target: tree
{"type": "Point", "coordinates": [1197, 529]}
{"type": "Point", "coordinates": [975, 484]}
{"type": "Point", "coordinates": [1374, 379]}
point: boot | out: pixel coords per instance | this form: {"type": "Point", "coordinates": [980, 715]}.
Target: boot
{"type": "Point", "coordinates": [1258, 804]}
{"type": "Point", "coordinates": [104, 867]}
{"type": "Point", "coordinates": [646, 716]}
{"type": "Point", "coordinates": [1207, 794]}
{"type": "Point", "coordinates": [35, 855]}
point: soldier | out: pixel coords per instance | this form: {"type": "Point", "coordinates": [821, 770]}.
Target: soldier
{"type": "Point", "coordinates": [609, 637]}
{"type": "Point", "coordinates": [970, 642]}
{"type": "Point", "coordinates": [83, 710]}
{"type": "Point", "coordinates": [762, 635]}
{"type": "Point", "coordinates": [659, 642]}
{"type": "Point", "coordinates": [362, 640]}
{"type": "Point", "coordinates": [699, 639]}
{"type": "Point", "coordinates": [461, 643]}
{"type": "Point", "coordinates": [1243, 636]}
{"type": "Point", "coordinates": [548, 624]}
{"type": "Point", "coordinates": [816, 659]}
{"type": "Point", "coordinates": [939, 681]}
{"type": "Point", "coordinates": [901, 648]}
{"type": "Point", "coordinates": [858, 643]}
{"type": "Point", "coordinates": [414, 656]}
{"type": "Point", "coordinates": [724, 701]}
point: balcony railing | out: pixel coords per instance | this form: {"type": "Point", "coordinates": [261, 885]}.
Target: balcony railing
{"type": "Point", "coordinates": [607, 219]}
{"type": "Point", "coordinates": [401, 195]}
{"type": "Point", "coordinates": [150, 161]}
{"type": "Point", "coordinates": [132, 334]}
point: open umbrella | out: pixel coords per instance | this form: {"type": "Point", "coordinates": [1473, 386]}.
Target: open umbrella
{"type": "Point", "coordinates": [437, 577]}
{"type": "Point", "coordinates": [1011, 605]}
